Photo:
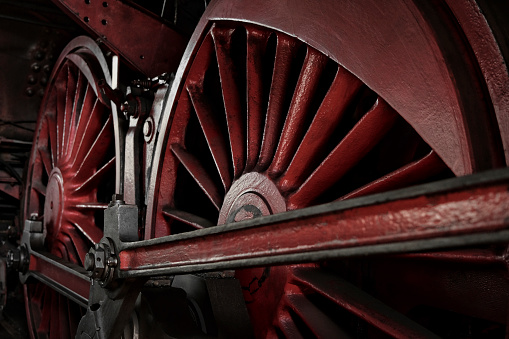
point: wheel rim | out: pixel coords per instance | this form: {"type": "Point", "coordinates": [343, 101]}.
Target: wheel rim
{"type": "Point", "coordinates": [69, 185]}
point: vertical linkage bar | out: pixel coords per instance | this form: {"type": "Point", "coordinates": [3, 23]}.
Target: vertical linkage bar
{"type": "Point", "coordinates": [119, 135]}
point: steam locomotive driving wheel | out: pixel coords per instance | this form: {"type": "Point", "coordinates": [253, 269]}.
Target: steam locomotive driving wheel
{"type": "Point", "coordinates": [270, 118]}
{"type": "Point", "coordinates": [71, 177]}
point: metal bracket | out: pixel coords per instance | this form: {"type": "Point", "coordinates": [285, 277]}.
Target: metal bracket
{"type": "Point", "coordinates": [111, 301]}
{"type": "Point", "coordinates": [108, 313]}
{"type": "Point", "coordinates": [110, 23]}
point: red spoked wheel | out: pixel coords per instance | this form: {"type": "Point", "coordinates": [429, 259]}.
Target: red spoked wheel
{"type": "Point", "coordinates": [71, 177]}
{"type": "Point", "coordinates": [263, 122]}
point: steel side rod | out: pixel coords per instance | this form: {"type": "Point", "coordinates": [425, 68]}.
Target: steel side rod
{"type": "Point", "coordinates": [463, 211]}
{"type": "Point", "coordinates": [458, 212]}
{"type": "Point", "coordinates": [68, 279]}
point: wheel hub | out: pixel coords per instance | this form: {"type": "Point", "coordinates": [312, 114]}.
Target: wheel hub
{"type": "Point", "coordinates": [252, 195]}
{"type": "Point", "coordinates": [54, 204]}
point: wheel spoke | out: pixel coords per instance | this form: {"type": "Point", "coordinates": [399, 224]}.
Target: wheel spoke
{"type": "Point", "coordinates": [43, 147]}
{"type": "Point", "coordinates": [187, 218]}
{"type": "Point", "coordinates": [52, 131]}
{"type": "Point", "coordinates": [419, 170]}
{"type": "Point", "coordinates": [358, 302]}
{"type": "Point", "coordinates": [286, 49]}
{"type": "Point", "coordinates": [199, 174]}
{"type": "Point", "coordinates": [96, 153]}
{"type": "Point", "coordinates": [316, 319]}
{"type": "Point", "coordinates": [293, 129]}
{"type": "Point", "coordinates": [69, 251]}
{"type": "Point", "coordinates": [80, 92]}
{"type": "Point", "coordinates": [90, 206]}
{"type": "Point", "coordinates": [62, 248]}
{"type": "Point", "coordinates": [70, 97]}
{"type": "Point", "coordinates": [39, 187]}
{"type": "Point", "coordinates": [213, 135]}
{"type": "Point", "coordinates": [91, 125]}
{"type": "Point", "coordinates": [82, 113]}
{"type": "Point", "coordinates": [288, 327]}
{"type": "Point", "coordinates": [344, 87]}
{"type": "Point", "coordinates": [75, 241]}
{"type": "Point", "coordinates": [87, 119]}
{"type": "Point", "coordinates": [97, 177]}
{"type": "Point", "coordinates": [256, 45]}
{"type": "Point", "coordinates": [231, 97]}
{"type": "Point", "coordinates": [85, 225]}
{"type": "Point", "coordinates": [61, 98]}
{"type": "Point", "coordinates": [359, 141]}
{"type": "Point", "coordinates": [45, 158]}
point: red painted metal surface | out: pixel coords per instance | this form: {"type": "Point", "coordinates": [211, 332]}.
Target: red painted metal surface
{"type": "Point", "coordinates": [293, 129]}
{"type": "Point", "coordinates": [322, 128]}
{"type": "Point", "coordinates": [480, 36]}
{"type": "Point", "coordinates": [78, 284]}
{"type": "Point", "coordinates": [145, 43]}
{"type": "Point", "coordinates": [465, 212]}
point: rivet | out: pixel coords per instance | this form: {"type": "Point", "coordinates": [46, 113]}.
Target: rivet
{"type": "Point", "coordinates": [148, 129]}
{"type": "Point", "coordinates": [29, 91]}
{"type": "Point", "coordinates": [39, 55]}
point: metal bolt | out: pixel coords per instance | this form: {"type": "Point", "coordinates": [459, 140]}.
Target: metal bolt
{"type": "Point", "coordinates": [145, 83]}
{"type": "Point", "coordinates": [90, 262]}
{"type": "Point", "coordinates": [117, 198]}
{"type": "Point", "coordinates": [13, 258]}
{"type": "Point", "coordinates": [147, 129]}
{"type": "Point", "coordinates": [36, 67]}
{"type": "Point", "coordinates": [98, 268]}
{"type": "Point", "coordinates": [112, 262]}
{"type": "Point", "coordinates": [32, 79]}
{"type": "Point", "coordinates": [18, 259]}
{"type": "Point", "coordinates": [29, 91]}
{"type": "Point", "coordinates": [130, 108]}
